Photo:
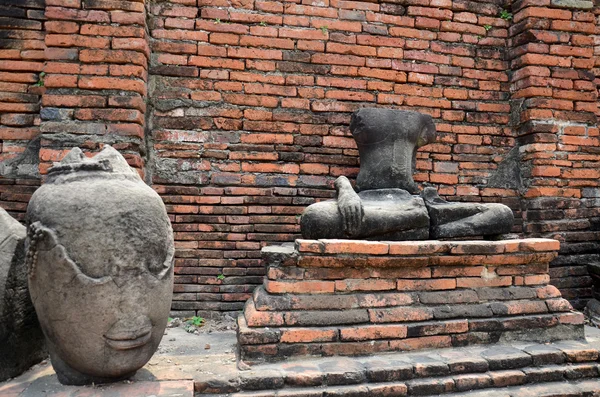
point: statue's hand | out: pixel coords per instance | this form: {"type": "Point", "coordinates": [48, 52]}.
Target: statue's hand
{"type": "Point", "coordinates": [350, 206]}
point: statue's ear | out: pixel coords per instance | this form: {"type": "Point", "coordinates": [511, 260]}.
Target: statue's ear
{"type": "Point", "coordinates": [44, 241]}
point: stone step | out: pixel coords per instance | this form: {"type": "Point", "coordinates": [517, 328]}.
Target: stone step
{"type": "Point", "coordinates": [582, 388]}
{"type": "Point", "coordinates": [563, 388]}
{"type": "Point", "coordinates": [423, 373]}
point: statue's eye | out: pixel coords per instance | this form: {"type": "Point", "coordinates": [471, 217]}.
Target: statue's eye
{"type": "Point", "coordinates": [159, 265]}
{"type": "Point", "coordinates": [156, 266]}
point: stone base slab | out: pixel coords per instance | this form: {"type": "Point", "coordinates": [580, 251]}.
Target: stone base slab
{"type": "Point", "coordinates": [343, 297]}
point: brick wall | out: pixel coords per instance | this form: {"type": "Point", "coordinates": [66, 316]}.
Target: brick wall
{"type": "Point", "coordinates": [96, 78]}
{"type": "Point", "coordinates": [553, 82]}
{"type": "Point", "coordinates": [21, 61]}
{"type": "Point", "coordinates": [251, 104]}
{"type": "Point", "coordinates": [237, 114]}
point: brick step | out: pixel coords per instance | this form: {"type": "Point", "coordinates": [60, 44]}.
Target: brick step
{"type": "Point", "coordinates": [265, 301]}
{"type": "Point", "coordinates": [390, 308]}
{"type": "Point", "coordinates": [574, 380]}
{"type": "Point", "coordinates": [403, 313]}
{"type": "Point", "coordinates": [431, 372]}
{"type": "Point", "coordinates": [582, 388]}
{"type": "Point", "coordinates": [318, 333]}
{"type": "Point", "coordinates": [343, 297]}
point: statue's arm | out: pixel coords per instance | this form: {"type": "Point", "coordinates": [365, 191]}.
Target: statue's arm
{"type": "Point", "coordinates": [349, 205]}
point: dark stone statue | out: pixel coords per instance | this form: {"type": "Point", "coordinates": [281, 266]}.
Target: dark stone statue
{"type": "Point", "coordinates": [592, 308]}
{"type": "Point", "coordinates": [389, 205]}
{"type": "Point", "coordinates": [100, 259]}
{"type": "Point", "coordinates": [21, 338]}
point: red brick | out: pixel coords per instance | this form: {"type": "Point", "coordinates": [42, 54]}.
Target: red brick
{"type": "Point", "coordinates": [507, 378]}
{"type": "Point", "coordinates": [299, 287]}
{"type": "Point", "coordinates": [112, 56]}
{"type": "Point", "coordinates": [255, 318]}
{"type": "Point", "coordinates": [106, 83]}
{"type": "Point", "coordinates": [60, 81]}
{"type": "Point", "coordinates": [91, 101]}
{"type": "Point", "coordinates": [60, 13]}
{"type": "Point", "coordinates": [418, 247]}
{"type": "Point", "coordinates": [558, 305]}
{"type": "Point", "coordinates": [21, 66]}
{"type": "Point", "coordinates": [548, 291]}
{"type": "Point", "coordinates": [426, 285]}
{"type": "Point", "coordinates": [307, 335]}
{"type": "Point", "coordinates": [73, 40]}
{"type": "Point", "coordinates": [399, 314]}
{"type": "Point", "coordinates": [388, 389]}
{"type": "Point", "coordinates": [373, 332]}
{"type": "Point", "coordinates": [476, 282]}
{"type": "Point", "coordinates": [427, 342]}
{"type": "Point", "coordinates": [365, 285]}
{"type": "Point", "coordinates": [354, 247]}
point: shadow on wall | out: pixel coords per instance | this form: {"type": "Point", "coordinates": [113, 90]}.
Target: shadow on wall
{"type": "Point", "coordinates": [26, 165]}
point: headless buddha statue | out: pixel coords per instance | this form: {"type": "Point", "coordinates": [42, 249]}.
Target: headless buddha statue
{"type": "Point", "coordinates": [388, 205]}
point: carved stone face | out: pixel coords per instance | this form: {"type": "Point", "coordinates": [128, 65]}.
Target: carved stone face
{"type": "Point", "coordinates": [102, 326]}
{"type": "Point", "coordinates": [101, 274]}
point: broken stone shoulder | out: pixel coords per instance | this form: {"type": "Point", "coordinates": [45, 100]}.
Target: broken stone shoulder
{"type": "Point", "coordinates": [21, 338]}
{"type": "Point", "coordinates": [388, 205]}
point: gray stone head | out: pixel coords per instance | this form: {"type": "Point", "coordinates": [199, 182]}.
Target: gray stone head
{"type": "Point", "coordinates": [100, 257]}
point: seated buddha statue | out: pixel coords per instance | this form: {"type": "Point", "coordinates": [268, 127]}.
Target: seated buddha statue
{"type": "Point", "coordinates": [387, 203]}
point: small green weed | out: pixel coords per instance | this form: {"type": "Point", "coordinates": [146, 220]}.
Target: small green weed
{"type": "Point", "coordinates": [40, 82]}
{"type": "Point", "coordinates": [507, 16]}
{"type": "Point", "coordinates": [324, 29]}
{"type": "Point", "coordinates": [487, 27]}
{"type": "Point", "coordinates": [221, 277]}
{"type": "Point", "coordinates": [263, 23]}
{"type": "Point", "coordinates": [217, 21]}
{"type": "Point", "coordinates": [197, 321]}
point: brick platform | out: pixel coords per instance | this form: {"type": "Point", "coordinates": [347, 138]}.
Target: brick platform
{"type": "Point", "coordinates": [341, 297]}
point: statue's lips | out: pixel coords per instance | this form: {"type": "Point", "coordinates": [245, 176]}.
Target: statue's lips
{"type": "Point", "coordinates": [128, 340]}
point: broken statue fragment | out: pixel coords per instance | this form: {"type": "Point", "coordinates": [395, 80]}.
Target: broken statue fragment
{"type": "Point", "coordinates": [21, 339]}
{"type": "Point", "coordinates": [100, 262]}
{"type": "Point", "coordinates": [388, 204]}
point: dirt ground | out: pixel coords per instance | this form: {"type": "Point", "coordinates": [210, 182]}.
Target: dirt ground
{"type": "Point", "coordinates": [206, 351]}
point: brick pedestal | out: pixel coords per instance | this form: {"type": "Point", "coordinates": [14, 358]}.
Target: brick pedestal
{"type": "Point", "coordinates": [341, 297]}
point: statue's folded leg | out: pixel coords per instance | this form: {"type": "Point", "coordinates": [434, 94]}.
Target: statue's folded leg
{"type": "Point", "coordinates": [455, 219]}
{"type": "Point", "coordinates": [489, 220]}
{"type": "Point", "coordinates": [323, 220]}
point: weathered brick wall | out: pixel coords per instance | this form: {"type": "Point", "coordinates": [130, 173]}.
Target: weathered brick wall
{"type": "Point", "coordinates": [96, 78]}
{"type": "Point", "coordinates": [237, 113]}
{"type": "Point", "coordinates": [557, 132]}
{"type": "Point", "coordinates": [250, 106]}
{"type": "Point", "coordinates": [21, 61]}
{"type": "Point", "coordinates": [252, 100]}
